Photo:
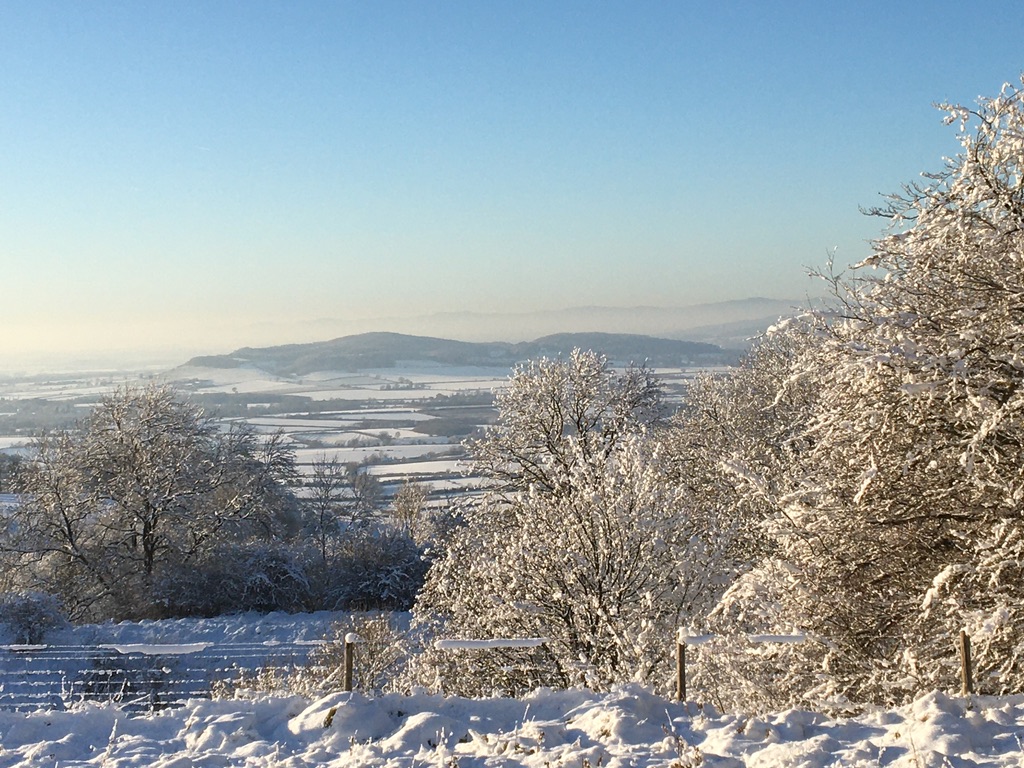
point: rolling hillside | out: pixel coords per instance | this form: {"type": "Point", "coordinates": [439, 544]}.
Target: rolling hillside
{"type": "Point", "coordinates": [386, 350]}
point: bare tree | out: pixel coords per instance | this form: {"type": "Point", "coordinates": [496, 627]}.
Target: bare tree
{"type": "Point", "coordinates": [326, 496]}
{"type": "Point", "coordinates": [365, 491]}
{"type": "Point", "coordinates": [145, 485]}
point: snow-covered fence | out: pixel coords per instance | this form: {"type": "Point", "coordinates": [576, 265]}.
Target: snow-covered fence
{"type": "Point", "coordinates": [136, 676]}
{"type": "Point", "coordinates": [500, 642]}
{"type": "Point", "coordinates": [685, 637]}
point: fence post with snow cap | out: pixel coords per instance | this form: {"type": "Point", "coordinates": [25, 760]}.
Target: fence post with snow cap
{"type": "Point", "coordinates": [351, 640]}
{"type": "Point", "coordinates": [685, 637]}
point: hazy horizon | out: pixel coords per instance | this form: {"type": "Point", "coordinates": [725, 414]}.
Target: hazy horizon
{"type": "Point", "coordinates": [669, 322]}
{"type": "Point", "coordinates": [197, 177]}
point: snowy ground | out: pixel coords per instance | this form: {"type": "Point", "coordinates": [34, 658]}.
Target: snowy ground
{"type": "Point", "coordinates": [629, 727]}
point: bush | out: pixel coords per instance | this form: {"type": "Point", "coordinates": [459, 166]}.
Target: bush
{"type": "Point", "coordinates": [374, 569]}
{"type": "Point", "coordinates": [256, 576]}
{"type": "Point", "coordinates": [29, 616]}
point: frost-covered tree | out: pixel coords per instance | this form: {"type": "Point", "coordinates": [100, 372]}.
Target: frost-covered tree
{"type": "Point", "coordinates": [339, 496]}
{"type": "Point", "coordinates": [583, 542]}
{"type": "Point", "coordinates": [410, 512]}
{"type": "Point", "coordinates": [606, 572]}
{"type": "Point", "coordinates": [735, 426]}
{"type": "Point", "coordinates": [11, 468]}
{"type": "Point", "coordinates": [738, 448]}
{"type": "Point", "coordinates": [146, 487]}
{"type": "Point", "coordinates": [555, 413]}
{"type": "Point", "coordinates": [900, 524]}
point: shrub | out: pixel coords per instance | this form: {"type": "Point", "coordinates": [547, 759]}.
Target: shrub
{"type": "Point", "coordinates": [29, 616]}
{"type": "Point", "coordinates": [372, 569]}
{"type": "Point", "coordinates": [255, 576]}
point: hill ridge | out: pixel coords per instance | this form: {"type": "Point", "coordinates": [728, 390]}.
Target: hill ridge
{"type": "Point", "coordinates": [385, 349]}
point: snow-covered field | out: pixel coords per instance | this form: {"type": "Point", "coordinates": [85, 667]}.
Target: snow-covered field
{"type": "Point", "coordinates": [305, 457]}
{"type": "Point", "coordinates": [379, 385]}
{"type": "Point", "coordinates": [628, 727]}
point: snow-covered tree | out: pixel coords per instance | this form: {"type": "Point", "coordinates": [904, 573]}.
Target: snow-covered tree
{"type": "Point", "coordinates": [583, 542]}
{"type": "Point", "coordinates": [900, 523]}
{"type": "Point", "coordinates": [740, 426]}
{"type": "Point", "coordinates": [606, 572]}
{"type": "Point", "coordinates": [557, 412]}
{"type": "Point", "coordinates": [145, 487]}
{"type": "Point", "coordinates": [738, 447]}
{"type": "Point", "coordinates": [11, 468]}
{"type": "Point", "coordinates": [410, 513]}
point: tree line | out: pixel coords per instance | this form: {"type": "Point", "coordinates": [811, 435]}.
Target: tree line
{"type": "Point", "coordinates": [857, 478]}
{"type": "Point", "coordinates": [149, 508]}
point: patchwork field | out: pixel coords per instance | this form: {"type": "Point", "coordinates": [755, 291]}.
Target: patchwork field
{"type": "Point", "coordinates": [405, 424]}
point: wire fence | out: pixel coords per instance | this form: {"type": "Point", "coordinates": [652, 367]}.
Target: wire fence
{"type": "Point", "coordinates": [135, 677]}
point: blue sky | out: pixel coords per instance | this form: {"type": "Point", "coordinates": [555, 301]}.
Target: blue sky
{"type": "Point", "coordinates": [199, 176]}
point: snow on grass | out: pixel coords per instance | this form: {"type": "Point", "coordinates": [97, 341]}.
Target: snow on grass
{"type": "Point", "coordinates": [256, 387]}
{"type": "Point", "coordinates": [346, 377]}
{"type": "Point", "coordinates": [375, 394]}
{"type": "Point", "coordinates": [294, 424]}
{"type": "Point", "coordinates": [359, 454]}
{"type": "Point", "coordinates": [425, 372]}
{"type": "Point", "coordinates": [405, 469]}
{"type": "Point", "coordinates": [628, 727]}
{"type": "Point", "coordinates": [391, 414]}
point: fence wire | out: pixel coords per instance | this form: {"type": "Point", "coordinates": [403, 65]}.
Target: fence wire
{"type": "Point", "coordinates": [56, 677]}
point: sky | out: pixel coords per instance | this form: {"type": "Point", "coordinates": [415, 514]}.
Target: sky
{"type": "Point", "coordinates": [191, 177]}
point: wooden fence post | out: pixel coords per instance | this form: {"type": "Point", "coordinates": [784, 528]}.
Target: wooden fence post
{"type": "Point", "coordinates": [680, 670]}
{"type": "Point", "coordinates": [966, 672]}
{"type": "Point", "coordinates": [349, 658]}
{"type": "Point", "coordinates": [686, 636]}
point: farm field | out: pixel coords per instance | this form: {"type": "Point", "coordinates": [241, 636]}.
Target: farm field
{"type": "Point", "coordinates": [411, 418]}
{"type": "Point", "coordinates": [405, 424]}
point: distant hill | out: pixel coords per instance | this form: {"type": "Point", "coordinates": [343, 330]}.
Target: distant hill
{"type": "Point", "coordinates": [729, 324]}
{"type": "Point", "coordinates": [387, 350]}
